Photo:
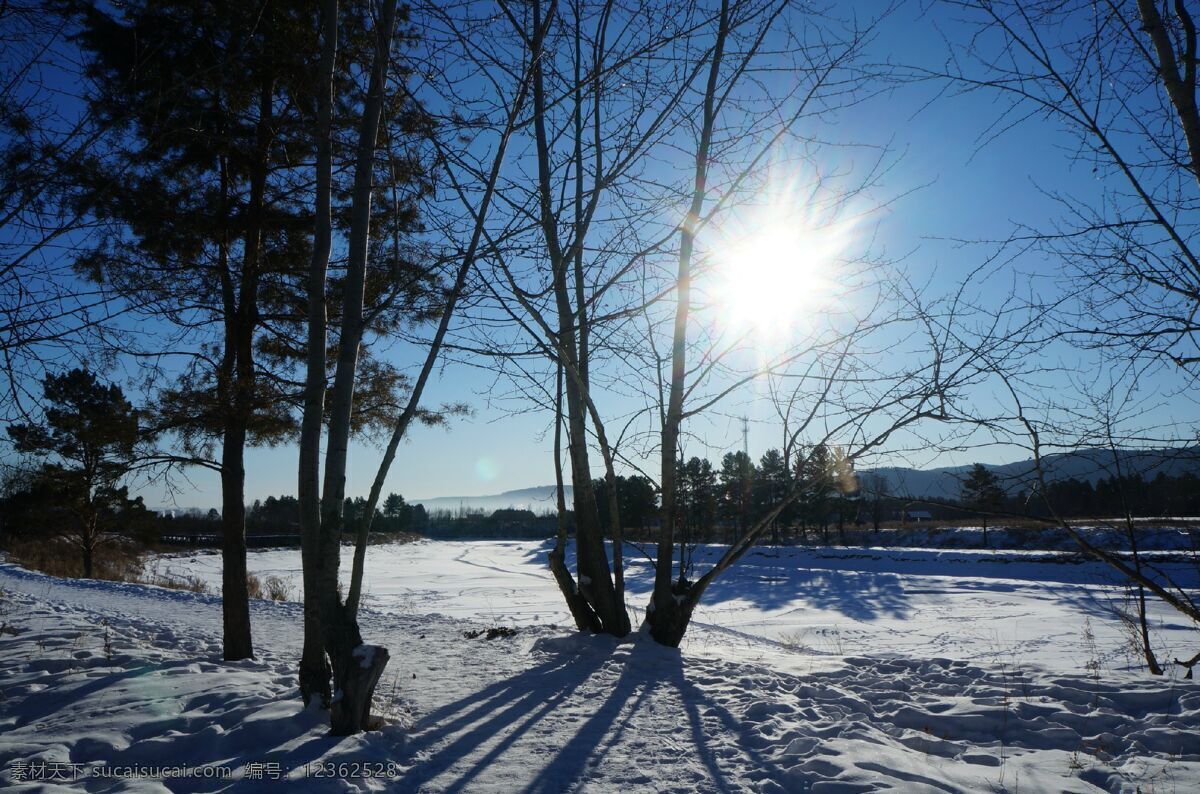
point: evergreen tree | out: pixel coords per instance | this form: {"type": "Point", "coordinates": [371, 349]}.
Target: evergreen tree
{"type": "Point", "coordinates": [87, 438]}
{"type": "Point", "coordinates": [204, 182]}
{"type": "Point", "coordinates": [736, 483]}
{"type": "Point", "coordinates": [637, 500]}
{"type": "Point", "coordinates": [815, 470]}
{"type": "Point", "coordinates": [394, 505]}
{"type": "Point", "coordinates": [981, 490]}
{"type": "Point", "coordinates": [771, 485]}
{"type": "Point", "coordinates": [845, 488]}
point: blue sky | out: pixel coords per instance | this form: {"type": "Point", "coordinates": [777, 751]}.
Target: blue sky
{"type": "Point", "coordinates": [951, 187]}
{"type": "Point", "coordinates": [963, 189]}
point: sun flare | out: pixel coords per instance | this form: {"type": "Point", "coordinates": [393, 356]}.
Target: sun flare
{"type": "Point", "coordinates": [779, 272]}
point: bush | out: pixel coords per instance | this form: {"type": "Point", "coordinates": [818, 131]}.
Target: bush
{"type": "Point", "coordinates": [272, 588]}
{"type": "Point", "coordinates": [278, 588]}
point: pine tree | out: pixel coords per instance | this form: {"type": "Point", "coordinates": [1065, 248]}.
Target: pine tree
{"type": "Point", "coordinates": [203, 181]}
{"type": "Point", "coordinates": [772, 483]}
{"type": "Point", "coordinates": [981, 490]}
{"type": "Point", "coordinates": [88, 438]}
{"type": "Point", "coordinates": [736, 480]}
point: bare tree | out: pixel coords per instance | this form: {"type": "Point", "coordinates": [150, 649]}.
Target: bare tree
{"type": "Point", "coordinates": [593, 248]}
{"type": "Point", "coordinates": [598, 105]}
{"type": "Point", "coordinates": [1095, 426]}
{"type": "Point", "coordinates": [1119, 79]}
{"type": "Point", "coordinates": [49, 318]}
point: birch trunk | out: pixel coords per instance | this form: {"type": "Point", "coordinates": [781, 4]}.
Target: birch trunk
{"type": "Point", "coordinates": [671, 604]}
{"type": "Point", "coordinates": [595, 581]}
{"type": "Point", "coordinates": [314, 669]}
{"type": "Point", "coordinates": [353, 681]}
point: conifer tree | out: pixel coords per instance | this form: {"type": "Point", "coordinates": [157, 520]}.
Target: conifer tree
{"type": "Point", "coordinates": [87, 440]}
{"type": "Point", "coordinates": [981, 490]}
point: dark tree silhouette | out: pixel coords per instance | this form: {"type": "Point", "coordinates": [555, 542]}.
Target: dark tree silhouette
{"type": "Point", "coordinates": [87, 439]}
{"type": "Point", "coordinates": [981, 490]}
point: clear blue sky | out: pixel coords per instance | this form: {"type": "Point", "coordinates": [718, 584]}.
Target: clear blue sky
{"type": "Point", "coordinates": [961, 191]}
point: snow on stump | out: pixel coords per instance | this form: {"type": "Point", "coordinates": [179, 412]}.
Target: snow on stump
{"type": "Point", "coordinates": [350, 709]}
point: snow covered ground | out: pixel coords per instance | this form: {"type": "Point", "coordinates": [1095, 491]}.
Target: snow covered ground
{"type": "Point", "coordinates": [810, 670]}
{"type": "Point", "coordinates": [1016, 607]}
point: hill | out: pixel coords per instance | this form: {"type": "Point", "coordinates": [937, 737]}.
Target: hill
{"type": "Point", "coordinates": [539, 499]}
{"type": "Point", "coordinates": [1087, 465]}
{"type": "Point", "coordinates": [939, 483]}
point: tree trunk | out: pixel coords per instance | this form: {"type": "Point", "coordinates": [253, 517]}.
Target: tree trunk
{"type": "Point", "coordinates": [1144, 631]}
{"type": "Point", "coordinates": [669, 612]}
{"type": "Point", "coordinates": [595, 576]}
{"type": "Point", "coordinates": [235, 598]}
{"type": "Point", "coordinates": [239, 388]}
{"type": "Point", "coordinates": [1181, 88]}
{"type": "Point", "coordinates": [582, 612]}
{"type": "Point", "coordinates": [669, 618]}
{"type": "Point", "coordinates": [350, 710]}
{"type": "Point", "coordinates": [339, 624]}
{"type": "Point", "coordinates": [314, 668]}
{"type": "Point", "coordinates": [87, 538]}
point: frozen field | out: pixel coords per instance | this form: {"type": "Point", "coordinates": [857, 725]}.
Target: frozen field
{"type": "Point", "coordinates": [980, 606]}
{"type": "Point", "coordinates": [838, 670]}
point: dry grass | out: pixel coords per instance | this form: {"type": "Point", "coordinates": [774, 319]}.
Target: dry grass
{"type": "Point", "coordinates": [116, 561]}
{"type": "Point", "coordinates": [113, 562]}
{"type": "Point", "coordinates": [272, 588]}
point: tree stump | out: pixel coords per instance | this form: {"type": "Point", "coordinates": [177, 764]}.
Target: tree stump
{"type": "Point", "coordinates": [350, 709]}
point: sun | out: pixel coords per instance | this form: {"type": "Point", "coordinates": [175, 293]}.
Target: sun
{"type": "Point", "coordinates": [778, 272]}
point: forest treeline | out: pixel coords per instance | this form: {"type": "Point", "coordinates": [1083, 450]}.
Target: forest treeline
{"type": "Point", "coordinates": [717, 504]}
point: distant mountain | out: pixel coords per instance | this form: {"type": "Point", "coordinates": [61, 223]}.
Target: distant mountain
{"type": "Point", "coordinates": [540, 500]}
{"type": "Point", "coordinates": [1088, 465]}
{"type": "Point", "coordinates": [940, 483]}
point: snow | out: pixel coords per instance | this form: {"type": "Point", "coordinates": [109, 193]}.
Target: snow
{"type": "Point", "coordinates": [1031, 607]}
{"type": "Point", "coordinates": [365, 654]}
{"type": "Point", "coordinates": [809, 670]}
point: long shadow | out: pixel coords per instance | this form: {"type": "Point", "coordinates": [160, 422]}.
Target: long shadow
{"type": "Point", "coordinates": [61, 697]}
{"type": "Point", "coordinates": [692, 697]}
{"type": "Point", "coordinates": [865, 584]}
{"type": "Point", "coordinates": [768, 579]}
{"type": "Point", "coordinates": [588, 746]}
{"type": "Point", "coordinates": [499, 715]}
{"type": "Point", "coordinates": [647, 669]}
{"type": "Point", "coordinates": [511, 707]}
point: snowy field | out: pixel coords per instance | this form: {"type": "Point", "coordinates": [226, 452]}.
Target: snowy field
{"type": "Point", "coordinates": [1015, 607]}
{"type": "Point", "coordinates": [809, 670]}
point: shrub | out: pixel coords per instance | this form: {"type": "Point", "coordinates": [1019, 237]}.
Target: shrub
{"type": "Point", "coordinates": [277, 588]}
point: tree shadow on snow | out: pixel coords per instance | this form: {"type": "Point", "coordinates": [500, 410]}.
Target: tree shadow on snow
{"type": "Point", "coordinates": [539, 702]}
{"type": "Point", "coordinates": [508, 708]}
{"type": "Point", "coordinates": [769, 584]}
{"type": "Point", "coordinates": [767, 580]}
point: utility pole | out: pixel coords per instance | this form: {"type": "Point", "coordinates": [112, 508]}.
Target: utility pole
{"type": "Point", "coordinates": [745, 495]}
